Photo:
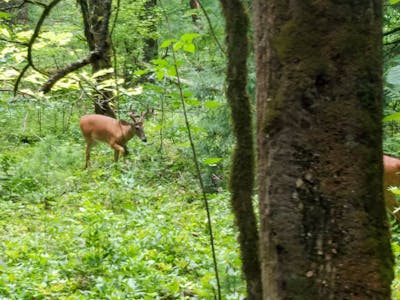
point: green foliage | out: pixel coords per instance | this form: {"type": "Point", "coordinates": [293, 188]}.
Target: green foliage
{"type": "Point", "coordinates": [135, 230]}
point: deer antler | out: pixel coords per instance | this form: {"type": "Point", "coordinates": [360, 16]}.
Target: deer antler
{"type": "Point", "coordinates": [147, 112]}
{"type": "Point", "coordinates": [133, 116]}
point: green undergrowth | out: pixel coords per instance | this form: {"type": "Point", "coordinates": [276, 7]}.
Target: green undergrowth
{"type": "Point", "coordinates": [135, 230]}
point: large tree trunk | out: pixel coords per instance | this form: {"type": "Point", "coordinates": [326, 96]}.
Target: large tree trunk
{"type": "Point", "coordinates": [242, 175]}
{"type": "Point", "coordinates": [96, 16]}
{"type": "Point", "coordinates": [324, 233]}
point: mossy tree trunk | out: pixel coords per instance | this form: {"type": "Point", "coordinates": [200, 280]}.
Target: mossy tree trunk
{"type": "Point", "coordinates": [324, 233]}
{"type": "Point", "coordinates": [242, 174]}
{"type": "Point", "coordinates": [96, 16]}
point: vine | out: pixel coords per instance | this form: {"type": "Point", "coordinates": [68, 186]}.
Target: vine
{"type": "Point", "coordinates": [186, 44]}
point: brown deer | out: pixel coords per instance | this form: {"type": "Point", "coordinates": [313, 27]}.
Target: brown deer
{"type": "Point", "coordinates": [114, 132]}
{"type": "Point", "coordinates": [391, 177]}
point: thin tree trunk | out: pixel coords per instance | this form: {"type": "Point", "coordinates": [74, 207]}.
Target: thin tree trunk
{"type": "Point", "coordinates": [242, 175]}
{"type": "Point", "coordinates": [96, 16]}
{"type": "Point", "coordinates": [324, 233]}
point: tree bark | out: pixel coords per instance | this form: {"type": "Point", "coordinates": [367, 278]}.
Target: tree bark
{"type": "Point", "coordinates": [195, 5]}
{"type": "Point", "coordinates": [242, 174]}
{"type": "Point", "coordinates": [96, 16]}
{"type": "Point", "coordinates": [18, 11]}
{"type": "Point", "coordinates": [324, 233]}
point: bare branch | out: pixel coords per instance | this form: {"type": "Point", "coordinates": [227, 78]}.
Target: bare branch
{"type": "Point", "coordinates": [46, 87]}
{"type": "Point", "coordinates": [391, 31]}
{"type": "Point", "coordinates": [93, 57]}
{"type": "Point", "coordinates": [19, 6]}
{"type": "Point", "coordinates": [13, 42]}
{"type": "Point", "coordinates": [45, 13]}
{"type": "Point", "coordinates": [211, 28]}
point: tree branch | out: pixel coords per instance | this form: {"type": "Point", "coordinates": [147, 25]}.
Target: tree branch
{"type": "Point", "coordinates": [46, 87]}
{"type": "Point", "coordinates": [211, 28]}
{"type": "Point", "coordinates": [91, 58]}
{"type": "Point", "coordinates": [14, 42]}
{"type": "Point", "coordinates": [391, 31]}
{"type": "Point", "coordinates": [32, 40]}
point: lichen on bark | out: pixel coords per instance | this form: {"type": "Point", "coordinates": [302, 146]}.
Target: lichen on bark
{"type": "Point", "coordinates": [319, 96]}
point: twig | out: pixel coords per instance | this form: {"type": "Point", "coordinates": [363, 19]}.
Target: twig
{"type": "Point", "coordinates": [45, 13]}
{"type": "Point", "coordinates": [211, 28]}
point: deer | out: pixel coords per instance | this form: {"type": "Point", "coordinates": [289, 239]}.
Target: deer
{"type": "Point", "coordinates": [391, 177]}
{"type": "Point", "coordinates": [116, 133]}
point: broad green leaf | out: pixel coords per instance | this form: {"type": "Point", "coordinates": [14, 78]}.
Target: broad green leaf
{"type": "Point", "coordinates": [8, 50]}
{"type": "Point", "coordinates": [187, 93]}
{"type": "Point", "coordinates": [392, 117]}
{"type": "Point", "coordinates": [28, 91]}
{"type": "Point", "coordinates": [134, 91]}
{"type": "Point", "coordinates": [4, 15]}
{"type": "Point", "coordinates": [192, 101]}
{"type": "Point", "coordinates": [109, 83]}
{"type": "Point", "coordinates": [35, 78]}
{"type": "Point", "coordinates": [60, 38]}
{"type": "Point", "coordinates": [67, 83]}
{"type": "Point", "coordinates": [188, 37]}
{"type": "Point", "coordinates": [167, 43]}
{"type": "Point", "coordinates": [212, 161]}
{"type": "Point", "coordinates": [24, 36]}
{"type": "Point", "coordinates": [4, 32]}
{"type": "Point", "coordinates": [8, 74]}
{"type": "Point", "coordinates": [178, 45]}
{"type": "Point", "coordinates": [160, 74]}
{"type": "Point", "coordinates": [103, 72]}
{"type": "Point", "coordinates": [160, 62]}
{"type": "Point", "coordinates": [212, 104]}
{"type": "Point", "coordinates": [394, 190]}
{"type": "Point", "coordinates": [189, 48]}
{"type": "Point", "coordinates": [196, 129]}
{"type": "Point", "coordinates": [393, 75]}
{"type": "Point", "coordinates": [394, 1]}
{"type": "Point", "coordinates": [179, 63]}
{"type": "Point", "coordinates": [141, 72]}
{"type": "Point", "coordinates": [157, 127]}
{"type": "Point", "coordinates": [171, 71]}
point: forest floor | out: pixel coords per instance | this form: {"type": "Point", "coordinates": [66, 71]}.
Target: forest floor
{"type": "Point", "coordinates": [132, 230]}
{"type": "Point", "coordinates": [135, 230]}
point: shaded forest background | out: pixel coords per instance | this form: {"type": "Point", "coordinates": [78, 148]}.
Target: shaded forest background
{"type": "Point", "coordinates": [136, 230]}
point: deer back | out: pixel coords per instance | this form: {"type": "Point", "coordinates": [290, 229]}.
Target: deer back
{"type": "Point", "coordinates": [105, 129]}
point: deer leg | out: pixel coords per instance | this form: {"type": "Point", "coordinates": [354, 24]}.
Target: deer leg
{"type": "Point", "coordinates": [117, 150]}
{"type": "Point", "coordinates": [126, 150]}
{"type": "Point", "coordinates": [88, 148]}
{"type": "Point", "coordinates": [116, 155]}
